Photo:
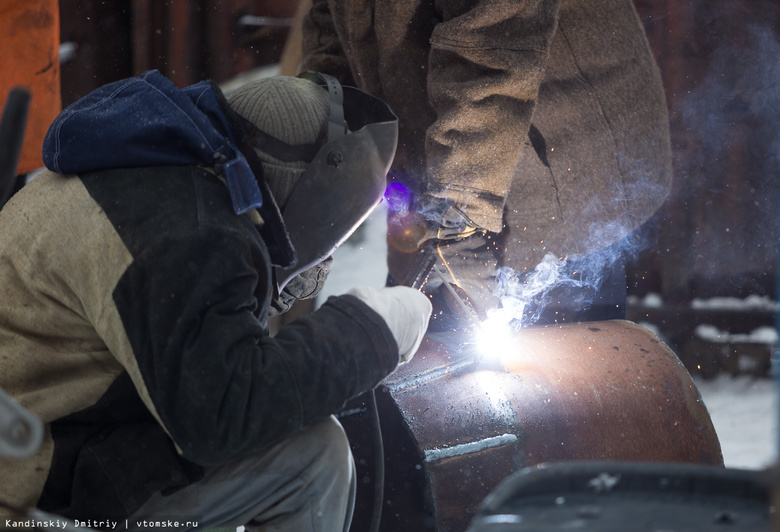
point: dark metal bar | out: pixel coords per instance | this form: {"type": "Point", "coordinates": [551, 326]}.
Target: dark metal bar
{"type": "Point", "coordinates": [12, 129]}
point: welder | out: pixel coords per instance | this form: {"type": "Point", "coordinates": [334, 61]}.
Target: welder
{"type": "Point", "coordinates": [138, 273]}
{"type": "Point", "coordinates": [527, 128]}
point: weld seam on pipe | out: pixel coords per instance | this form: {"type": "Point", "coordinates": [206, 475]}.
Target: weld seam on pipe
{"type": "Point", "coordinates": [432, 455]}
{"type": "Point", "coordinates": [425, 377]}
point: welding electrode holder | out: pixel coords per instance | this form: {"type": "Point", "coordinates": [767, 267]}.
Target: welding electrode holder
{"type": "Point", "coordinates": [424, 268]}
{"type": "Point", "coordinates": [451, 223]}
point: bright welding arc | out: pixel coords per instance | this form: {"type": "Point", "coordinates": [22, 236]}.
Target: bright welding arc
{"type": "Point", "coordinates": [492, 336]}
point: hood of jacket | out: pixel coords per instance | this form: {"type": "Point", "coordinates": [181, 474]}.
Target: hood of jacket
{"type": "Point", "coordinates": [148, 121]}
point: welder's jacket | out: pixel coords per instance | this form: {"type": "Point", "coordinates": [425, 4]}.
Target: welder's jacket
{"type": "Point", "coordinates": [544, 120]}
{"type": "Point", "coordinates": [134, 306]}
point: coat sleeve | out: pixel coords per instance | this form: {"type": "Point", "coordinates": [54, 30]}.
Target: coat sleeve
{"type": "Point", "coordinates": [486, 64]}
{"type": "Point", "coordinates": [221, 386]}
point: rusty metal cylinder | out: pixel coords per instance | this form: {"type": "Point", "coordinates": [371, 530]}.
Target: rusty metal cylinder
{"type": "Point", "coordinates": [456, 423]}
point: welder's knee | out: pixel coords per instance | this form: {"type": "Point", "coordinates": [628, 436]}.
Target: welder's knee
{"type": "Point", "coordinates": [320, 491]}
{"type": "Point", "coordinates": [333, 455]}
{"type": "Point", "coordinates": [333, 477]}
{"type": "Point", "coordinates": [305, 483]}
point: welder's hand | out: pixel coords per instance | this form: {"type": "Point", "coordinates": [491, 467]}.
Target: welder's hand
{"type": "Point", "coordinates": [450, 222]}
{"type": "Point", "coordinates": [406, 312]}
{"type": "Point", "coordinates": [433, 220]}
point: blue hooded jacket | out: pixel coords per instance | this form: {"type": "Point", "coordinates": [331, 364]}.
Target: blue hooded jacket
{"type": "Point", "coordinates": [147, 121]}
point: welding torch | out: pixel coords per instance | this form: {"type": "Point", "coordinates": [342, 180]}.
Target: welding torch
{"type": "Point", "coordinates": [412, 232]}
{"type": "Point", "coordinates": [476, 353]}
{"type": "Point", "coordinates": [421, 237]}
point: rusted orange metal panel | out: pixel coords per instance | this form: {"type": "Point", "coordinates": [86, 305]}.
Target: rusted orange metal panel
{"type": "Point", "coordinates": [29, 40]}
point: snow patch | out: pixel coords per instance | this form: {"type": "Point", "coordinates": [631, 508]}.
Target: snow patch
{"type": "Point", "coordinates": [744, 412]}
{"type": "Point", "coordinates": [751, 302]}
{"type": "Point", "coordinates": [763, 335]}
{"type": "Point", "coordinates": [651, 300]}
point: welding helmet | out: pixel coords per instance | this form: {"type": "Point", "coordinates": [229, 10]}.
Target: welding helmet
{"type": "Point", "coordinates": [344, 181]}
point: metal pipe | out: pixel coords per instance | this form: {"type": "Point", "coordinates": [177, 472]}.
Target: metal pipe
{"type": "Point", "coordinates": [12, 127]}
{"type": "Point", "coordinates": [585, 391]}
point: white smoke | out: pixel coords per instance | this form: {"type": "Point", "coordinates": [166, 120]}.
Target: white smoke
{"type": "Point", "coordinates": [525, 295]}
{"type": "Point", "coordinates": [521, 294]}
{"type": "Point", "coordinates": [727, 173]}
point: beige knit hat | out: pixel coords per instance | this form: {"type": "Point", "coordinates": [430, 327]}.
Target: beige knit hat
{"type": "Point", "coordinates": [295, 111]}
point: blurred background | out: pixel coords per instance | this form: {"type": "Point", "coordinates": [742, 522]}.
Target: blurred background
{"type": "Point", "coordinates": [707, 281]}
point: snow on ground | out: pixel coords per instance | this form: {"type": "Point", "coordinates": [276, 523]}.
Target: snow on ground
{"type": "Point", "coordinates": [743, 409]}
{"type": "Point", "coordinates": [744, 412]}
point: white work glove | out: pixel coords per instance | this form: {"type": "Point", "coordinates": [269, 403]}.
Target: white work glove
{"type": "Point", "coordinates": [405, 310]}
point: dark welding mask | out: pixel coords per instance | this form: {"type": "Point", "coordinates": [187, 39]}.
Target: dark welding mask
{"type": "Point", "coordinates": [345, 180]}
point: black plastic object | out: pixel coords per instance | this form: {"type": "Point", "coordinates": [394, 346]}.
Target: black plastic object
{"type": "Point", "coordinates": [12, 127]}
{"type": "Point", "coordinates": [344, 182]}
{"type": "Point", "coordinates": [626, 497]}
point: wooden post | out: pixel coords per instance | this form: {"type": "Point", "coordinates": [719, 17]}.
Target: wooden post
{"type": "Point", "coordinates": [291, 55]}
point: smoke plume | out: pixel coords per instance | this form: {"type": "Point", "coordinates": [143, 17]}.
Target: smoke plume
{"type": "Point", "coordinates": [524, 296]}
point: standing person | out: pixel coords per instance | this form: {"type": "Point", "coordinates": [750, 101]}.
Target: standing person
{"type": "Point", "coordinates": [527, 127]}
{"type": "Point", "coordinates": [138, 274]}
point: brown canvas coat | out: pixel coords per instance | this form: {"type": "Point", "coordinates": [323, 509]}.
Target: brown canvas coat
{"type": "Point", "coordinates": [545, 120]}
